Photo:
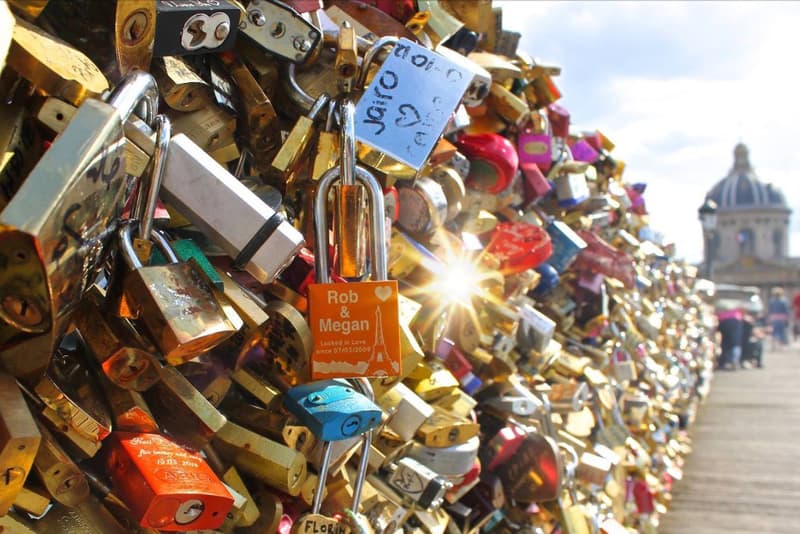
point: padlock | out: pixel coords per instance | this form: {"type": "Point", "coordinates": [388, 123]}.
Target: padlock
{"type": "Point", "coordinates": [571, 514]}
{"type": "Point", "coordinates": [33, 500]}
{"type": "Point", "coordinates": [332, 410]}
{"type": "Point", "coordinates": [363, 422]}
{"type": "Point", "coordinates": [366, 312]}
{"type": "Point", "coordinates": [419, 483]}
{"type": "Point", "coordinates": [493, 161]}
{"type": "Point", "coordinates": [502, 446]}
{"type": "Point", "coordinates": [129, 410]}
{"type": "Point", "coordinates": [280, 351]}
{"type": "Point", "coordinates": [183, 28]}
{"type": "Point", "coordinates": [423, 206]}
{"type": "Point", "coordinates": [52, 65]}
{"type": "Point", "coordinates": [62, 478]}
{"type": "Point", "coordinates": [212, 128]}
{"type": "Point", "coordinates": [19, 443]}
{"type": "Point", "coordinates": [257, 236]}
{"type": "Point", "coordinates": [294, 147]}
{"type": "Point", "coordinates": [256, 456]}
{"type": "Point", "coordinates": [443, 429]}
{"type": "Point", "coordinates": [122, 354]}
{"type": "Point", "coordinates": [149, 293]}
{"type": "Point", "coordinates": [407, 411]}
{"type": "Point", "coordinates": [180, 86]}
{"type": "Point", "coordinates": [260, 120]}
{"type": "Point", "coordinates": [534, 474]}
{"type": "Point", "coordinates": [182, 410]}
{"type": "Point", "coordinates": [447, 461]}
{"type": "Point", "coordinates": [166, 487]}
{"type": "Point", "coordinates": [278, 29]}
{"type": "Point", "coordinates": [65, 234]}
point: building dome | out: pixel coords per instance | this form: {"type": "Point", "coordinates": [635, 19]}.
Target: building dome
{"type": "Point", "coordinates": [742, 190]}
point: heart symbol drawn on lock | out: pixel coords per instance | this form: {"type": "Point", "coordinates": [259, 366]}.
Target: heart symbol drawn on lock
{"type": "Point", "coordinates": [409, 116]}
{"type": "Point", "coordinates": [383, 292]}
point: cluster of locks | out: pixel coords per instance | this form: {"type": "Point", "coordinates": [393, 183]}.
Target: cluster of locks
{"type": "Point", "coordinates": [334, 266]}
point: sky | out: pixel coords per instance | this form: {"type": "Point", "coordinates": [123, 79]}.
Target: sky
{"type": "Point", "coordinates": [676, 85]}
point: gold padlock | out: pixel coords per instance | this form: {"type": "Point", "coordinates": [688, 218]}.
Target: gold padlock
{"type": "Point", "coordinates": [64, 480]}
{"type": "Point", "coordinates": [180, 86]}
{"type": "Point", "coordinates": [19, 441]}
{"type": "Point", "coordinates": [54, 66]}
{"type": "Point", "coordinates": [182, 410]}
{"type": "Point", "coordinates": [266, 460]}
{"type": "Point", "coordinates": [126, 358]}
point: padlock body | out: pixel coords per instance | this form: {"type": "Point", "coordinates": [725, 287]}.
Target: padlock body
{"type": "Point", "coordinates": [178, 310]}
{"type": "Point", "coordinates": [156, 478]}
{"type": "Point", "coordinates": [200, 20]}
{"type": "Point", "coordinates": [332, 410]}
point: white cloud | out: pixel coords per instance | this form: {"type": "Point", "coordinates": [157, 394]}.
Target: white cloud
{"type": "Point", "coordinates": [693, 81]}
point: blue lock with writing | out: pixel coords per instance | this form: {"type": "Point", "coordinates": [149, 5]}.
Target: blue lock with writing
{"type": "Point", "coordinates": [332, 410]}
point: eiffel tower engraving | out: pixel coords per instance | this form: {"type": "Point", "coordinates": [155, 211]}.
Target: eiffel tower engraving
{"type": "Point", "coordinates": [378, 347]}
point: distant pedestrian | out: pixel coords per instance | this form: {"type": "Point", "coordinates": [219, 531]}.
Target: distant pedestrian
{"type": "Point", "coordinates": [778, 317]}
{"type": "Point", "coordinates": [731, 330]}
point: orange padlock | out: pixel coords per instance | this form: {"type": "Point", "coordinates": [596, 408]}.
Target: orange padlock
{"type": "Point", "coordinates": [166, 486]}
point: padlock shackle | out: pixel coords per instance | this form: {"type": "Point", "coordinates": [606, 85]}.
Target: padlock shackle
{"type": "Point", "coordinates": [377, 224]}
{"type": "Point", "coordinates": [369, 57]}
{"type": "Point", "coordinates": [322, 476]}
{"type": "Point", "coordinates": [136, 89]}
{"type": "Point", "coordinates": [297, 94]}
{"type": "Point", "coordinates": [569, 467]}
{"type": "Point", "coordinates": [129, 253]}
{"type": "Point", "coordinates": [347, 142]}
{"type": "Point", "coordinates": [147, 198]}
{"type": "Point", "coordinates": [364, 386]}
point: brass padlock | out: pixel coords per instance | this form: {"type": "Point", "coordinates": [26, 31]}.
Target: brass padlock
{"type": "Point", "coordinates": [182, 410]}
{"type": "Point", "coordinates": [124, 356]}
{"type": "Point", "coordinates": [54, 66]}
{"type": "Point", "coordinates": [63, 479]}
{"type": "Point", "coordinates": [180, 86]}
{"type": "Point", "coordinates": [294, 147]}
{"type": "Point", "coordinates": [182, 329]}
{"type": "Point", "coordinates": [18, 444]}
{"type": "Point", "coordinates": [266, 460]}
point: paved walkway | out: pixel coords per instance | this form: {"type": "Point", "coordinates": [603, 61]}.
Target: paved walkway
{"type": "Point", "coordinates": [743, 475]}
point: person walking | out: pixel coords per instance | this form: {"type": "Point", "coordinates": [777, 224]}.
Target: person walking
{"type": "Point", "coordinates": [778, 317]}
{"type": "Point", "coordinates": [731, 330]}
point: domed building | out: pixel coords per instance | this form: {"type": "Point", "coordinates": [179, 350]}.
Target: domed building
{"type": "Point", "coordinates": [750, 245]}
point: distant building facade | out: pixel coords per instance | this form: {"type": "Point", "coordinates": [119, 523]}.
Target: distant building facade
{"type": "Point", "coordinates": [750, 245]}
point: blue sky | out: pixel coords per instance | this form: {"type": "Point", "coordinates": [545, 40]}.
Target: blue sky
{"type": "Point", "coordinates": [676, 85]}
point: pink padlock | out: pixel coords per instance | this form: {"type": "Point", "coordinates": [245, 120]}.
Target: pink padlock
{"type": "Point", "coordinates": [583, 151]}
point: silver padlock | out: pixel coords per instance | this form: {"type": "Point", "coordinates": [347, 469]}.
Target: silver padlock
{"type": "Point", "coordinates": [58, 224]}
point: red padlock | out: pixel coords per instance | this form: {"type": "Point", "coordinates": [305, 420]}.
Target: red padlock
{"type": "Point", "coordinates": [166, 486]}
{"type": "Point", "coordinates": [493, 161]}
{"type": "Point", "coordinates": [519, 246]}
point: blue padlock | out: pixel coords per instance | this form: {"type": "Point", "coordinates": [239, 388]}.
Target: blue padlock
{"type": "Point", "coordinates": [566, 245]}
{"type": "Point", "coordinates": [547, 283]}
{"type": "Point", "coordinates": [332, 410]}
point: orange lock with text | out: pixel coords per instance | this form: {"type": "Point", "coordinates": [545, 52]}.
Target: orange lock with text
{"type": "Point", "coordinates": [166, 486]}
